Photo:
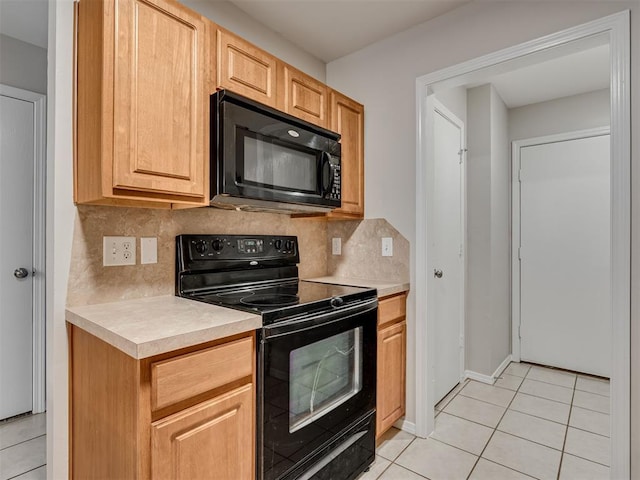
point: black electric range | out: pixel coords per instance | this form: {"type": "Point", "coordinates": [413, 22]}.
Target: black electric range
{"type": "Point", "coordinates": [256, 274]}
{"type": "Point", "coordinates": [316, 352]}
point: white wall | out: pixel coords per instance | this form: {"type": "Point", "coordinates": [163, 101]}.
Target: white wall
{"type": "Point", "coordinates": [382, 76]}
{"type": "Point", "coordinates": [455, 100]}
{"type": "Point", "coordinates": [227, 15]}
{"type": "Point", "coordinates": [487, 322]}
{"type": "Point", "coordinates": [562, 115]}
{"type": "Point", "coordinates": [23, 65]}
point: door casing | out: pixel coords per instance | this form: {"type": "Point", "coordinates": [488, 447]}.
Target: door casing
{"type": "Point", "coordinates": [617, 28]}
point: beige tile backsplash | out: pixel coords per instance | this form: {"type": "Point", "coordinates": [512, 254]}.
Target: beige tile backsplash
{"type": "Point", "coordinates": [362, 251]}
{"type": "Point", "coordinates": [90, 282]}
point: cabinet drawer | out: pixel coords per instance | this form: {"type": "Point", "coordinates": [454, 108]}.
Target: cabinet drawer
{"type": "Point", "coordinates": [392, 309]}
{"type": "Point", "coordinates": [186, 376]}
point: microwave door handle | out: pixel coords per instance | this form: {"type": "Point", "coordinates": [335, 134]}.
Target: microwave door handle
{"type": "Point", "coordinates": [326, 160]}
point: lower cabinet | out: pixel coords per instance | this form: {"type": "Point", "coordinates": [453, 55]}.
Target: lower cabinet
{"type": "Point", "coordinates": [209, 440]}
{"type": "Point", "coordinates": [392, 361]}
{"type": "Point", "coordinates": [188, 414]}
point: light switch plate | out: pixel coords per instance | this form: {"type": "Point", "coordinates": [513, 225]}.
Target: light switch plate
{"type": "Point", "coordinates": [118, 251]}
{"type": "Point", "coordinates": [387, 247]}
{"type": "Point", "coordinates": [336, 246]}
{"type": "Point", "coordinates": [148, 250]}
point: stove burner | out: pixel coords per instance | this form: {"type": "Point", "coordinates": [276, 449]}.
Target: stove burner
{"type": "Point", "coordinates": [271, 300]}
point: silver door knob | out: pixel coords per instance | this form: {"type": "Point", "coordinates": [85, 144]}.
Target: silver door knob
{"type": "Point", "coordinates": [21, 273]}
{"type": "Point", "coordinates": [437, 273]}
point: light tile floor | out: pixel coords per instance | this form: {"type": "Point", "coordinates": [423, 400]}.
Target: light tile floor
{"type": "Point", "coordinates": [535, 422]}
{"type": "Point", "coordinates": [23, 448]}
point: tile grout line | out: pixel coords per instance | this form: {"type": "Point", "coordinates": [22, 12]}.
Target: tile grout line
{"type": "Point", "coordinates": [23, 441]}
{"type": "Point", "coordinates": [566, 431]}
{"type": "Point", "coordinates": [495, 429]}
{"type": "Point", "coordinates": [24, 473]}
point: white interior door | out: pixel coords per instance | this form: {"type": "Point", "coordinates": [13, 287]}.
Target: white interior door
{"type": "Point", "coordinates": [565, 227]}
{"type": "Point", "coordinates": [17, 157]}
{"type": "Point", "coordinates": [448, 266]}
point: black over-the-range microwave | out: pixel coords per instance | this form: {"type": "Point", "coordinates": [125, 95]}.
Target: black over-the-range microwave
{"type": "Point", "coordinates": [265, 160]}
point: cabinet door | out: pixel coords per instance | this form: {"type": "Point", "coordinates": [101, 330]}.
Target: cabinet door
{"type": "Point", "coordinates": [347, 118]}
{"type": "Point", "coordinates": [392, 355]}
{"type": "Point", "coordinates": [304, 97]}
{"type": "Point", "coordinates": [159, 98]}
{"type": "Point", "coordinates": [212, 440]}
{"type": "Point", "coordinates": [245, 69]}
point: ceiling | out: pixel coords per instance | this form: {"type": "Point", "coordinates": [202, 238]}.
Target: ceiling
{"type": "Point", "coordinates": [330, 29]}
{"type": "Point", "coordinates": [25, 20]}
{"type": "Point", "coordinates": [579, 72]}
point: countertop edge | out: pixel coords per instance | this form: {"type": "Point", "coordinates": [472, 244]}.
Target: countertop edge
{"type": "Point", "coordinates": [385, 289]}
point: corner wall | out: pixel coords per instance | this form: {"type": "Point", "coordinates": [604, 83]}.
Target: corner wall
{"type": "Point", "coordinates": [488, 319]}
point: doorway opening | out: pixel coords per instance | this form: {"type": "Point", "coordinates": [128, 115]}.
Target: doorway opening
{"type": "Point", "coordinates": [615, 32]}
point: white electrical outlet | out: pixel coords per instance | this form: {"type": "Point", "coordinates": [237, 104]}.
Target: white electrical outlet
{"type": "Point", "coordinates": [387, 247]}
{"type": "Point", "coordinates": [118, 251]}
{"type": "Point", "coordinates": [336, 246]}
{"type": "Point", "coordinates": [148, 250]}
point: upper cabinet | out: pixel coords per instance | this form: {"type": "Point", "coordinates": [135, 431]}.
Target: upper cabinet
{"type": "Point", "coordinates": [245, 69]}
{"type": "Point", "coordinates": [141, 98]}
{"type": "Point", "coordinates": [303, 96]}
{"type": "Point", "coordinates": [347, 118]}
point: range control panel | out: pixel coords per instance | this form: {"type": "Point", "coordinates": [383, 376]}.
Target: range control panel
{"type": "Point", "coordinates": [238, 247]}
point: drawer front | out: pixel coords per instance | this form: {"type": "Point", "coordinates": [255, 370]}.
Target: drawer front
{"type": "Point", "coordinates": [189, 375]}
{"type": "Point", "coordinates": [392, 309]}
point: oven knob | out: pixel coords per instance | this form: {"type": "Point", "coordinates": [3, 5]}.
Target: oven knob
{"type": "Point", "coordinates": [278, 244]}
{"type": "Point", "coordinates": [289, 245]}
{"type": "Point", "coordinates": [217, 245]}
{"type": "Point", "coordinates": [336, 302]}
{"type": "Point", "coordinates": [201, 246]}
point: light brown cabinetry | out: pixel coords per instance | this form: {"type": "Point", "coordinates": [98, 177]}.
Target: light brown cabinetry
{"type": "Point", "coordinates": [245, 69]}
{"type": "Point", "coordinates": [347, 118]}
{"type": "Point", "coordinates": [141, 97]}
{"type": "Point", "coordinates": [303, 96]}
{"type": "Point", "coordinates": [392, 358]}
{"type": "Point", "coordinates": [184, 414]}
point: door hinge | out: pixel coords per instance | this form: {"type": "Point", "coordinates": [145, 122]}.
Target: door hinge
{"type": "Point", "coordinates": [519, 253]}
{"type": "Point", "coordinates": [520, 175]}
{"type": "Point", "coordinates": [461, 342]}
{"type": "Point", "coordinates": [519, 330]}
{"type": "Point", "coordinates": [460, 251]}
{"type": "Point", "coordinates": [461, 153]}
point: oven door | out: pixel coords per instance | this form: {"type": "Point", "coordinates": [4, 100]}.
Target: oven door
{"type": "Point", "coordinates": [317, 382]}
{"type": "Point", "coordinates": [267, 157]}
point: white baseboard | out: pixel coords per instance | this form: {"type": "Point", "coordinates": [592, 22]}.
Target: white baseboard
{"type": "Point", "coordinates": [502, 367]}
{"type": "Point", "coordinates": [408, 427]}
{"type": "Point", "coordinates": [488, 379]}
{"type": "Point", "coordinates": [479, 377]}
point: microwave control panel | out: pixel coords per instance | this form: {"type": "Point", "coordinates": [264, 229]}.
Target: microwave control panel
{"type": "Point", "coordinates": [334, 194]}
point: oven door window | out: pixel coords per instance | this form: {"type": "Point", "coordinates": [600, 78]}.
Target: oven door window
{"type": "Point", "coordinates": [324, 375]}
{"type": "Point", "coordinates": [271, 163]}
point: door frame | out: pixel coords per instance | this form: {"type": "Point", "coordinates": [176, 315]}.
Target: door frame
{"type": "Point", "coordinates": [516, 147]}
{"type": "Point", "coordinates": [39, 208]}
{"type": "Point", "coordinates": [617, 28]}
{"type": "Point", "coordinates": [438, 107]}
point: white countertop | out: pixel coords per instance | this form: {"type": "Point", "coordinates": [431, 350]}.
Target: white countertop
{"type": "Point", "coordinates": [384, 288]}
{"type": "Point", "coordinates": [144, 327]}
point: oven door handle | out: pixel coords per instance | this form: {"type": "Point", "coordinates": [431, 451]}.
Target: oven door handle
{"type": "Point", "coordinates": [315, 320]}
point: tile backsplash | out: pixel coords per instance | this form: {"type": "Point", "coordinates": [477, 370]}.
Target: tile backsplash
{"type": "Point", "coordinates": [362, 251]}
{"type": "Point", "coordinates": [90, 282]}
